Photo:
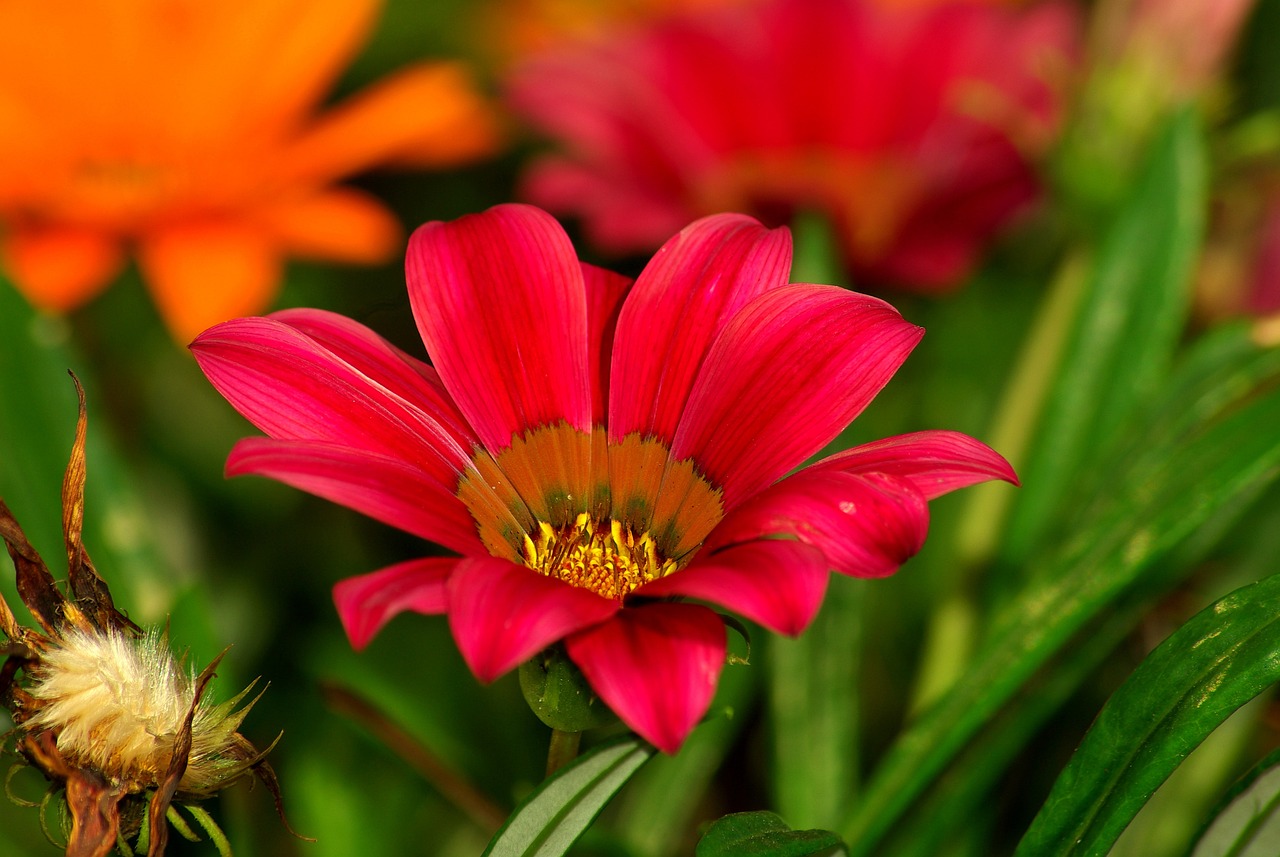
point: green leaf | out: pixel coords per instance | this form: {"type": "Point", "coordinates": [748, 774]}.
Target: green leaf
{"type": "Point", "coordinates": [1247, 823]}
{"type": "Point", "coordinates": [960, 800]}
{"type": "Point", "coordinates": [551, 819]}
{"type": "Point", "coordinates": [1223, 657]}
{"type": "Point", "coordinates": [1132, 312]}
{"type": "Point", "coordinates": [1208, 448]}
{"type": "Point", "coordinates": [764, 834]}
{"type": "Point", "coordinates": [1174, 816]}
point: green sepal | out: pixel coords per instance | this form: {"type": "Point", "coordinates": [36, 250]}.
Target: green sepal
{"type": "Point", "coordinates": [558, 693]}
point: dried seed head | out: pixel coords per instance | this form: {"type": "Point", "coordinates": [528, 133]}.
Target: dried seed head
{"type": "Point", "coordinates": [117, 705]}
{"type": "Point", "coordinates": [103, 710]}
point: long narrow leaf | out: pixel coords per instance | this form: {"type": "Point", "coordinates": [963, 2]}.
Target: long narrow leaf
{"type": "Point", "coordinates": [551, 819]}
{"type": "Point", "coordinates": [1226, 655]}
{"type": "Point", "coordinates": [1193, 476]}
{"type": "Point", "coordinates": [963, 793]}
{"type": "Point", "coordinates": [1132, 312]}
{"type": "Point", "coordinates": [1248, 822]}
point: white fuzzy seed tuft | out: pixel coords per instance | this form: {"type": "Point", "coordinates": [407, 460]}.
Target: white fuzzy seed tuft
{"type": "Point", "coordinates": [117, 705]}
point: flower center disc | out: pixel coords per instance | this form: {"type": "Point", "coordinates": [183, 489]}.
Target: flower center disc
{"type": "Point", "coordinates": [604, 556]}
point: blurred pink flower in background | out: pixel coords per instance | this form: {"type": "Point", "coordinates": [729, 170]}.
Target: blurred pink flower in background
{"type": "Point", "coordinates": [1239, 272]}
{"type": "Point", "coordinates": [598, 450]}
{"type": "Point", "coordinates": [1262, 295]}
{"type": "Point", "coordinates": [911, 126]}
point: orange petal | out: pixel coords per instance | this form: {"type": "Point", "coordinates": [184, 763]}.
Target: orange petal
{"type": "Point", "coordinates": [60, 268]}
{"type": "Point", "coordinates": [245, 66]}
{"type": "Point", "coordinates": [203, 273]}
{"type": "Point", "coordinates": [340, 224]}
{"type": "Point", "coordinates": [428, 114]}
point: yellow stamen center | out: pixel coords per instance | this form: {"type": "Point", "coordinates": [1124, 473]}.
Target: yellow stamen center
{"type": "Point", "coordinates": [604, 556]}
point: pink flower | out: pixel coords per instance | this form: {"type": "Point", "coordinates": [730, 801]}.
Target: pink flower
{"type": "Point", "coordinates": [910, 127]}
{"type": "Point", "coordinates": [604, 455]}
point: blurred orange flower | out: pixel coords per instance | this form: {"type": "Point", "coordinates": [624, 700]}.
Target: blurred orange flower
{"type": "Point", "coordinates": [185, 131]}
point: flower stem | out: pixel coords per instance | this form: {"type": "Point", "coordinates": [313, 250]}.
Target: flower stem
{"type": "Point", "coordinates": [563, 750]}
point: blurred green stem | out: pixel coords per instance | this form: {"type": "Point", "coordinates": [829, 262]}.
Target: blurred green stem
{"type": "Point", "coordinates": [950, 637]}
{"type": "Point", "coordinates": [813, 700]}
{"type": "Point", "coordinates": [563, 750]}
{"type": "Point", "coordinates": [484, 812]}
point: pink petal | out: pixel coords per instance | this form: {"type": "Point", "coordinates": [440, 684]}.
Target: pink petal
{"type": "Point", "coordinates": [290, 387]}
{"type": "Point", "coordinates": [368, 602]}
{"type": "Point", "coordinates": [775, 582]}
{"type": "Point", "coordinates": [695, 283]}
{"type": "Point", "coordinates": [936, 462]}
{"type": "Point", "coordinates": [605, 293]}
{"type": "Point", "coordinates": [500, 303]}
{"type": "Point", "coordinates": [938, 244]}
{"type": "Point", "coordinates": [791, 370]}
{"type": "Point", "coordinates": [384, 364]}
{"type": "Point", "coordinates": [866, 524]}
{"type": "Point", "coordinates": [656, 666]}
{"type": "Point", "coordinates": [502, 614]}
{"type": "Point", "coordinates": [386, 489]}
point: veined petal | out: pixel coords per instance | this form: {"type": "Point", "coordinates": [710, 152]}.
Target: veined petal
{"type": "Point", "coordinates": [387, 366]}
{"type": "Point", "coordinates": [865, 524]}
{"type": "Point", "coordinates": [936, 462]}
{"type": "Point", "coordinates": [203, 273]}
{"type": "Point", "coordinates": [605, 293]}
{"type": "Point", "coordinates": [368, 602]}
{"type": "Point", "coordinates": [341, 224]}
{"type": "Point", "coordinates": [790, 370]}
{"type": "Point", "coordinates": [684, 297]}
{"type": "Point", "coordinates": [293, 389]}
{"type": "Point", "coordinates": [502, 614]}
{"type": "Point", "coordinates": [408, 497]}
{"type": "Point", "coordinates": [775, 582]}
{"type": "Point", "coordinates": [500, 302]}
{"type": "Point", "coordinates": [60, 268]}
{"type": "Point", "coordinates": [656, 666]}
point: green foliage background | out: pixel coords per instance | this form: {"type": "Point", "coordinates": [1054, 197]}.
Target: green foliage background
{"type": "Point", "coordinates": [930, 713]}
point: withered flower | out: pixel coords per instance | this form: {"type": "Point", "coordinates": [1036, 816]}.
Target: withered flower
{"type": "Point", "coordinates": [104, 710]}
